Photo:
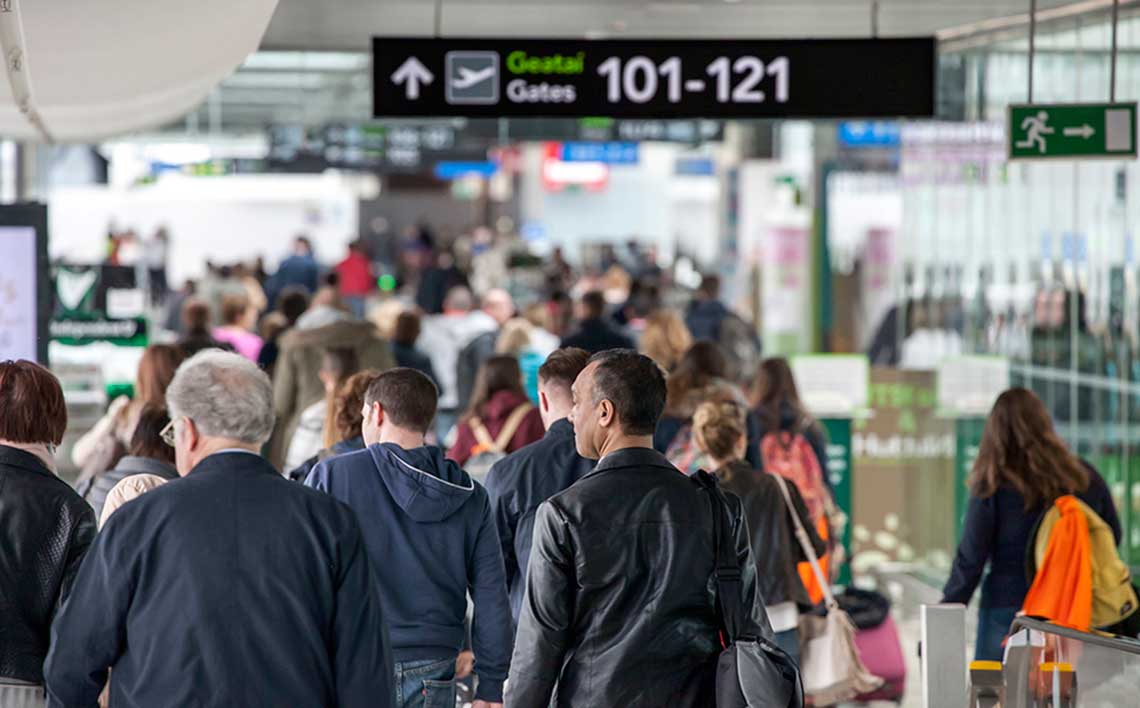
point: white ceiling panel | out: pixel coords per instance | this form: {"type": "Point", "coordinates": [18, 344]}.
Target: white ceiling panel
{"type": "Point", "coordinates": [348, 24]}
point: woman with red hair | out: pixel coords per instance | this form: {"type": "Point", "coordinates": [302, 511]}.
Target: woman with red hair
{"type": "Point", "coordinates": [46, 531]}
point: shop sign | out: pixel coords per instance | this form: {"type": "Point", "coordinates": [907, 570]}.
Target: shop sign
{"type": "Point", "coordinates": [826, 78]}
{"type": "Point", "coordinates": [97, 304]}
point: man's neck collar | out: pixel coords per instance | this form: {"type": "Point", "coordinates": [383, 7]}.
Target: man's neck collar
{"type": "Point", "coordinates": [625, 442]}
{"type": "Point", "coordinates": [406, 439]}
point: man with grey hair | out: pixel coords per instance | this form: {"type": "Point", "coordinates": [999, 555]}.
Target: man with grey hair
{"type": "Point", "coordinates": [231, 586]}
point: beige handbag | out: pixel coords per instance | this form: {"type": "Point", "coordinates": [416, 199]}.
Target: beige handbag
{"type": "Point", "coordinates": [829, 663]}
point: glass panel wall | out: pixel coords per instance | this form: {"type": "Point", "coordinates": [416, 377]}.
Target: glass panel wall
{"type": "Point", "coordinates": [1035, 261]}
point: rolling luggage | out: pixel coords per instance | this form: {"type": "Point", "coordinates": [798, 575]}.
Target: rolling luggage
{"type": "Point", "coordinates": [877, 641]}
{"type": "Point", "coordinates": [881, 652]}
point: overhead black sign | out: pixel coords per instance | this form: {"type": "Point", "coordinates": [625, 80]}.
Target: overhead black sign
{"type": "Point", "coordinates": [837, 78]}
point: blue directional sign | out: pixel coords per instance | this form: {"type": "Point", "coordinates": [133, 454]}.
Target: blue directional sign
{"type": "Point", "coordinates": [613, 153]}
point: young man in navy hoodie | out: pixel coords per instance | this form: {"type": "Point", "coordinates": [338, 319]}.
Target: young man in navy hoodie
{"type": "Point", "coordinates": [431, 538]}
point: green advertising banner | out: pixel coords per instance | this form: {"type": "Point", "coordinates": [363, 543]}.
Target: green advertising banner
{"type": "Point", "coordinates": [967, 438]}
{"type": "Point", "coordinates": [1042, 131]}
{"type": "Point", "coordinates": [902, 484]}
{"type": "Point", "coordinates": [838, 431]}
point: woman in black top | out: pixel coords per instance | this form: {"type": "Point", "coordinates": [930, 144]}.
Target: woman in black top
{"type": "Point", "coordinates": [1022, 468]}
{"type": "Point", "coordinates": [721, 433]}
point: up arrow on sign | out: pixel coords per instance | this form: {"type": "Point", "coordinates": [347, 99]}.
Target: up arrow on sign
{"type": "Point", "coordinates": [1072, 131]}
{"type": "Point", "coordinates": [412, 73]}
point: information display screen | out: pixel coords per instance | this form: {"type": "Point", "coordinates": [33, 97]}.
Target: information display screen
{"type": "Point", "coordinates": [25, 284]}
{"type": "Point", "coordinates": [19, 303]}
{"type": "Point", "coordinates": [839, 78]}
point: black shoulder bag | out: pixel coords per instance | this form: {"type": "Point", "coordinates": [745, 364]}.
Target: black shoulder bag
{"type": "Point", "coordinates": [751, 672]}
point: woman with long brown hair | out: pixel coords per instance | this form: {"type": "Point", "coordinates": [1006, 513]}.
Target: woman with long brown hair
{"type": "Point", "coordinates": [701, 375]}
{"type": "Point", "coordinates": [100, 448]}
{"type": "Point", "coordinates": [499, 403]}
{"type": "Point", "coordinates": [1022, 467]}
{"type": "Point", "coordinates": [665, 338]}
{"type": "Point", "coordinates": [792, 445]}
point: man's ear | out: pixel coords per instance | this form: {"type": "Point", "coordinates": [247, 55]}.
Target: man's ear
{"type": "Point", "coordinates": [543, 402]}
{"type": "Point", "coordinates": [191, 432]}
{"type": "Point", "coordinates": [377, 414]}
{"type": "Point", "coordinates": [607, 414]}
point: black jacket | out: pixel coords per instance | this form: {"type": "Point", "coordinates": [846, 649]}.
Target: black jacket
{"type": "Point", "coordinates": [597, 335]}
{"type": "Point", "coordinates": [95, 489]}
{"type": "Point", "coordinates": [620, 599]}
{"type": "Point", "coordinates": [773, 530]}
{"type": "Point", "coordinates": [45, 530]}
{"type": "Point", "coordinates": [229, 587]}
{"type": "Point", "coordinates": [412, 358]}
{"type": "Point", "coordinates": [996, 533]}
{"type": "Point", "coordinates": [518, 484]}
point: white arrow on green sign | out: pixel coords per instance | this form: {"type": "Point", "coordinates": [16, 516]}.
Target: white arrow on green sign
{"type": "Point", "coordinates": [1072, 130]}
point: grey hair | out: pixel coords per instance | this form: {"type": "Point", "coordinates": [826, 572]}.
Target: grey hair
{"type": "Point", "coordinates": [226, 396]}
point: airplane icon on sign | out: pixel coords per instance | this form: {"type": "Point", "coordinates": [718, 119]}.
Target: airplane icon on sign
{"type": "Point", "coordinates": [470, 77]}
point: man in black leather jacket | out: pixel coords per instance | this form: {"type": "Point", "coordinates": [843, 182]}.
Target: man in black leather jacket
{"type": "Point", "coordinates": [620, 603]}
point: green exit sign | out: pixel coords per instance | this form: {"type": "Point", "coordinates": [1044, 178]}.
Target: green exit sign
{"type": "Point", "coordinates": [1072, 130]}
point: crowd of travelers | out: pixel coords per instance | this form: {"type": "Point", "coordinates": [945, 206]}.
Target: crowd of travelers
{"type": "Point", "coordinates": [396, 510]}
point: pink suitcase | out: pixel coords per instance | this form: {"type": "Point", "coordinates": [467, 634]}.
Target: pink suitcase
{"type": "Point", "coordinates": [881, 652]}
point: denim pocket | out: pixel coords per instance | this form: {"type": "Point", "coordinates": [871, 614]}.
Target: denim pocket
{"type": "Point", "coordinates": [439, 694]}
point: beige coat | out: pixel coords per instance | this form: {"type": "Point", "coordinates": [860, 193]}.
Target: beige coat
{"type": "Point", "coordinates": [296, 384]}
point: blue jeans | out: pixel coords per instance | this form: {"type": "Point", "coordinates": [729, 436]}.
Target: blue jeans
{"type": "Point", "coordinates": [789, 641]}
{"type": "Point", "coordinates": [428, 683]}
{"type": "Point", "coordinates": [993, 625]}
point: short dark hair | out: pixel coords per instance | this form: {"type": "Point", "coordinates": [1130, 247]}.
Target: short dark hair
{"type": "Point", "coordinates": [594, 303]}
{"type": "Point", "coordinates": [147, 439]}
{"type": "Point", "coordinates": [710, 286]}
{"type": "Point", "coordinates": [292, 302]}
{"type": "Point", "coordinates": [195, 315]}
{"type": "Point", "coordinates": [635, 384]}
{"type": "Point", "coordinates": [32, 401]}
{"type": "Point", "coordinates": [407, 329]}
{"type": "Point", "coordinates": [563, 366]}
{"type": "Point", "coordinates": [407, 396]}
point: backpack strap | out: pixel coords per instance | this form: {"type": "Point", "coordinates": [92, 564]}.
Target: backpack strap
{"type": "Point", "coordinates": [482, 437]}
{"type": "Point", "coordinates": [510, 427]}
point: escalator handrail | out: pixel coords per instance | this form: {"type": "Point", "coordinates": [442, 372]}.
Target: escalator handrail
{"type": "Point", "coordinates": [1117, 643]}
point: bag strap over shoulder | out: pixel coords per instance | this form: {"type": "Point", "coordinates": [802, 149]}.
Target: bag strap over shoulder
{"type": "Point", "coordinates": [481, 435]}
{"type": "Point", "coordinates": [727, 569]}
{"type": "Point", "coordinates": [805, 544]}
{"type": "Point", "coordinates": [514, 422]}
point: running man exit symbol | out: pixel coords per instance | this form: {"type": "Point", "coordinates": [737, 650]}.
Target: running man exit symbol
{"type": "Point", "coordinates": [1035, 131]}
{"type": "Point", "coordinates": [1092, 130]}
